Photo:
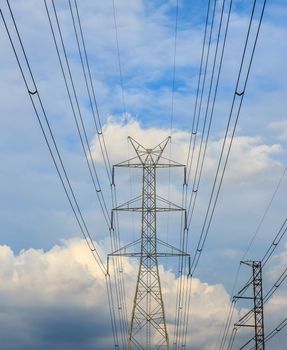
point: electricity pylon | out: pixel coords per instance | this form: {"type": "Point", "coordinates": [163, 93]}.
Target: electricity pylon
{"type": "Point", "coordinates": [257, 306]}
{"type": "Point", "coordinates": [148, 329]}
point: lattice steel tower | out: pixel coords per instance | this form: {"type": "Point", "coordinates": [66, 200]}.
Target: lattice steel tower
{"type": "Point", "coordinates": [258, 305]}
{"type": "Point", "coordinates": [148, 329]}
{"type": "Point", "coordinates": [257, 311]}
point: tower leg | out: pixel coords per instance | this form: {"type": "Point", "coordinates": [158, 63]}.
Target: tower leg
{"type": "Point", "coordinates": [258, 305]}
{"type": "Point", "coordinates": [148, 325]}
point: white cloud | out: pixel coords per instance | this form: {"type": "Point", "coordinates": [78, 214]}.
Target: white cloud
{"type": "Point", "coordinates": [58, 281]}
{"type": "Point", "coordinates": [48, 289]}
{"type": "Point", "coordinates": [252, 168]}
{"type": "Point", "coordinates": [61, 291]}
{"type": "Point", "coordinates": [249, 156]}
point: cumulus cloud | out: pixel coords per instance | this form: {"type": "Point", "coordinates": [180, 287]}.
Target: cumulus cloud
{"type": "Point", "coordinates": [47, 298]}
{"type": "Point", "coordinates": [54, 298]}
{"type": "Point", "coordinates": [249, 156]}
{"type": "Point", "coordinates": [252, 168]}
{"type": "Point", "coordinates": [57, 299]}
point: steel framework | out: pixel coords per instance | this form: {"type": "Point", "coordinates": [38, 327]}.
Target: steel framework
{"type": "Point", "coordinates": [148, 329]}
{"type": "Point", "coordinates": [257, 306]}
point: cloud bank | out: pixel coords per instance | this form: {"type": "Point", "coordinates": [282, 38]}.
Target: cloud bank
{"type": "Point", "coordinates": [57, 299]}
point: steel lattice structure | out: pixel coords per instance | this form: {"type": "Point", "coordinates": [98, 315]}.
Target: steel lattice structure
{"type": "Point", "coordinates": [148, 329]}
{"type": "Point", "coordinates": [257, 306]}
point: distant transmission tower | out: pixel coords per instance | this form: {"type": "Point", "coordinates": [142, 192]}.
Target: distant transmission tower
{"type": "Point", "coordinates": [257, 306]}
{"type": "Point", "coordinates": [148, 329]}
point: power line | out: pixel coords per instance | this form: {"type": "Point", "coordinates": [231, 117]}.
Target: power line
{"type": "Point", "coordinates": [274, 244]}
{"type": "Point", "coordinates": [227, 143]}
{"type": "Point", "coordinates": [114, 232]}
{"type": "Point", "coordinates": [52, 145]}
{"type": "Point", "coordinates": [79, 122]}
{"type": "Point", "coordinates": [229, 314]}
{"type": "Point", "coordinates": [119, 289]}
{"type": "Point", "coordinates": [90, 87]}
{"type": "Point", "coordinates": [272, 247]}
{"type": "Point", "coordinates": [201, 156]}
{"type": "Point", "coordinates": [238, 95]}
{"type": "Point", "coordinates": [58, 162]}
{"type": "Point", "coordinates": [276, 285]}
{"type": "Point", "coordinates": [265, 212]}
{"type": "Point", "coordinates": [174, 68]}
{"type": "Point", "coordinates": [195, 187]}
{"type": "Point", "coordinates": [268, 295]}
{"type": "Point", "coordinates": [200, 86]}
{"type": "Point", "coordinates": [119, 258]}
{"type": "Point", "coordinates": [243, 320]}
{"type": "Point", "coordinates": [172, 105]}
{"type": "Point", "coordinates": [274, 332]}
{"type": "Point", "coordinates": [119, 59]}
{"type": "Point", "coordinates": [183, 231]}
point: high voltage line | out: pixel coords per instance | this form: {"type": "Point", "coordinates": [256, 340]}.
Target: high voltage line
{"type": "Point", "coordinates": [58, 162]}
{"type": "Point", "coordinates": [194, 191]}
{"type": "Point", "coordinates": [203, 110]}
{"type": "Point", "coordinates": [229, 313]}
{"type": "Point", "coordinates": [227, 142]}
{"type": "Point", "coordinates": [114, 231]}
{"type": "Point", "coordinates": [49, 136]}
{"type": "Point", "coordinates": [274, 332]}
{"type": "Point", "coordinates": [270, 250]}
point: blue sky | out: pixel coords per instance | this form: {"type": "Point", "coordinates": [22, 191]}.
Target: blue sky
{"type": "Point", "coordinates": [36, 221]}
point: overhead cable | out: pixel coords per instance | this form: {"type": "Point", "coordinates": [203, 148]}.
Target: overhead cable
{"type": "Point", "coordinates": [229, 313]}
{"type": "Point", "coordinates": [90, 87]}
{"type": "Point", "coordinates": [57, 159]}
{"type": "Point", "coordinates": [49, 138]}
{"type": "Point", "coordinates": [114, 231]}
{"type": "Point", "coordinates": [181, 283]}
{"type": "Point", "coordinates": [242, 79]}
{"type": "Point", "coordinates": [76, 110]}
{"type": "Point", "coordinates": [274, 332]}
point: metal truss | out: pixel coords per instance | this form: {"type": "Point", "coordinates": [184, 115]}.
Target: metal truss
{"type": "Point", "coordinates": [148, 328]}
{"type": "Point", "coordinates": [257, 306]}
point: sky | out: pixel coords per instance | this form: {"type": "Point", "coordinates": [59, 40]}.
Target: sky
{"type": "Point", "coordinates": [52, 291]}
